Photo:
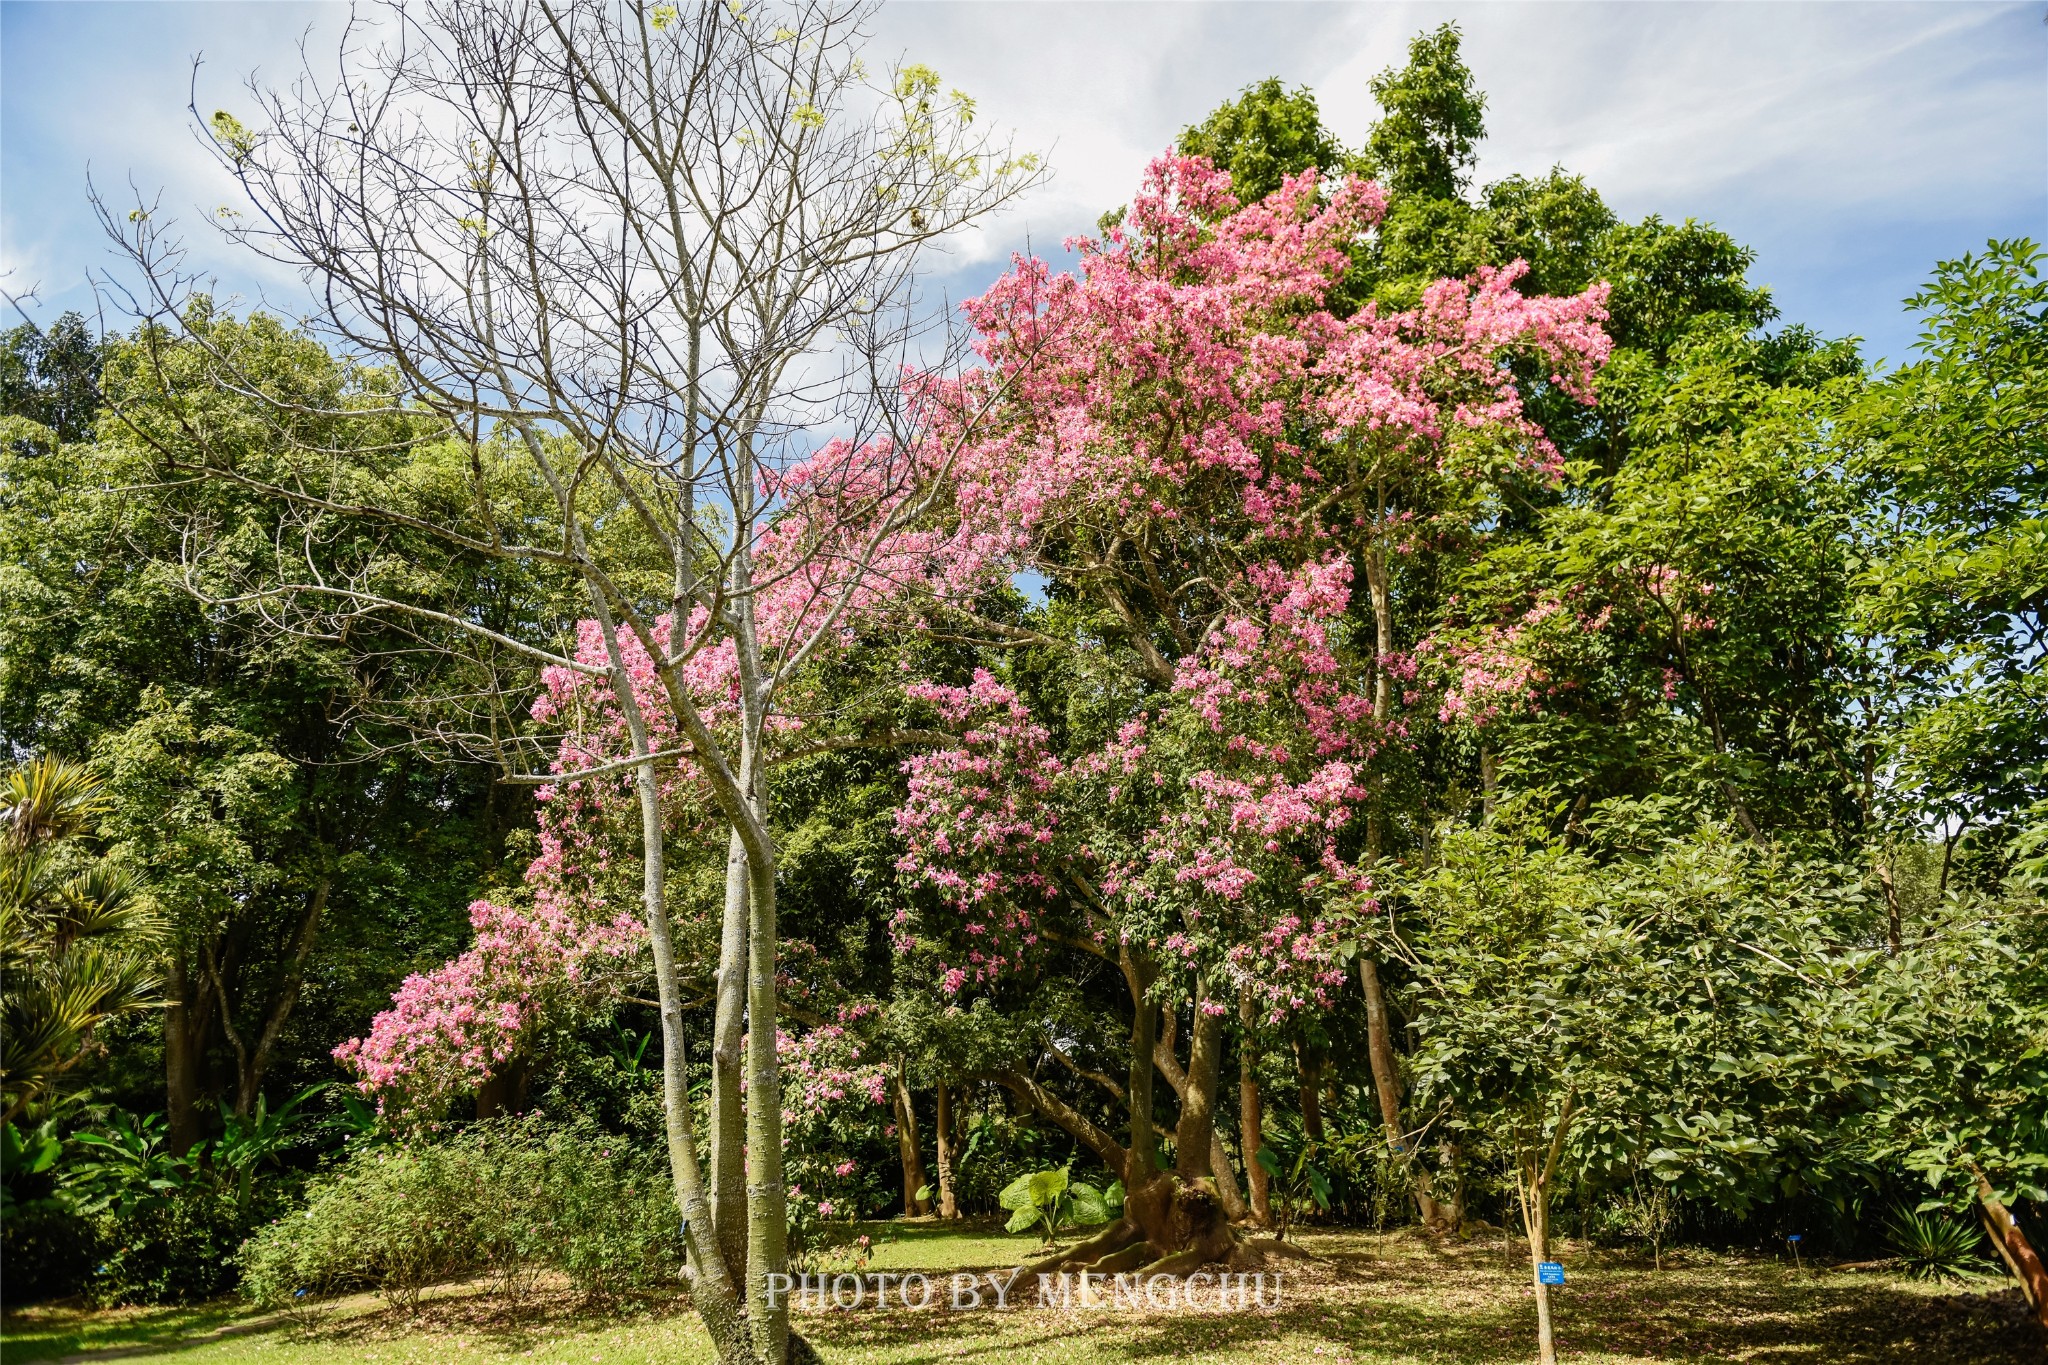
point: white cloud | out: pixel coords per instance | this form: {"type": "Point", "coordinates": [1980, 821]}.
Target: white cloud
{"type": "Point", "coordinates": [1802, 125]}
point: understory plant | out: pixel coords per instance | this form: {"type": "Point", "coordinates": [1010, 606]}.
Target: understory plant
{"type": "Point", "coordinates": [1053, 1200]}
{"type": "Point", "coordinates": [507, 1199]}
{"type": "Point", "coordinates": [1934, 1244]}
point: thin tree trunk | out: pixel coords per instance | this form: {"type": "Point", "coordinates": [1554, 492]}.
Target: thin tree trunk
{"type": "Point", "coordinates": [728, 1099]}
{"type": "Point", "coordinates": [949, 1208]}
{"type": "Point", "coordinates": [907, 1148]}
{"type": "Point", "coordinates": [249, 1084]}
{"type": "Point", "coordinates": [1894, 923]}
{"type": "Point", "coordinates": [714, 1292]}
{"type": "Point", "coordinates": [1386, 1084]}
{"type": "Point", "coordinates": [1535, 1172]}
{"type": "Point", "coordinates": [767, 1194]}
{"type": "Point", "coordinates": [2014, 1248]}
{"type": "Point", "coordinates": [1536, 1223]}
{"type": "Point", "coordinates": [1251, 1114]}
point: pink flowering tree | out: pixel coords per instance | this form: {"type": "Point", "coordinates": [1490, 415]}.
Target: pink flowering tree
{"type": "Point", "coordinates": [1202, 458]}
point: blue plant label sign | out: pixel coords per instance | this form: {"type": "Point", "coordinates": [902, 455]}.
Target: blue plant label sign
{"type": "Point", "coordinates": [1549, 1272]}
{"type": "Point", "coordinates": [1795, 1237]}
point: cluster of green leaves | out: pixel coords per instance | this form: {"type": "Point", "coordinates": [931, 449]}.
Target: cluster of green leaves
{"type": "Point", "coordinates": [1053, 1201]}
{"type": "Point", "coordinates": [264, 789]}
{"type": "Point", "coordinates": [77, 940]}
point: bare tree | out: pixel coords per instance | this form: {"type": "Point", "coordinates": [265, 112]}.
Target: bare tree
{"type": "Point", "coordinates": [639, 260]}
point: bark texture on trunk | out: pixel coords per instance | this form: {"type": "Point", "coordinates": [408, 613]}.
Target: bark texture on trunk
{"type": "Point", "coordinates": [1193, 1136]}
{"type": "Point", "coordinates": [728, 1097]}
{"type": "Point", "coordinates": [184, 1034]}
{"type": "Point", "coordinates": [949, 1207]}
{"type": "Point", "coordinates": [1309, 1089]}
{"type": "Point", "coordinates": [767, 1192]}
{"type": "Point", "coordinates": [1142, 1163]}
{"type": "Point", "coordinates": [1169, 1066]}
{"type": "Point", "coordinates": [252, 1063]}
{"type": "Point", "coordinates": [504, 1090]}
{"type": "Point", "coordinates": [1535, 1175]}
{"type": "Point", "coordinates": [1386, 1084]}
{"type": "Point", "coordinates": [1251, 1115]}
{"type": "Point", "coordinates": [714, 1291]}
{"type": "Point", "coordinates": [907, 1148]}
{"type": "Point", "coordinates": [2013, 1248]}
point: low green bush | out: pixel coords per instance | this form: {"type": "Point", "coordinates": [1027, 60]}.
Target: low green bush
{"type": "Point", "coordinates": [509, 1199]}
{"type": "Point", "coordinates": [179, 1249]}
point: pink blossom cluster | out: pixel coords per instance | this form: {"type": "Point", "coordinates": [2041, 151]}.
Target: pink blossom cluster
{"type": "Point", "coordinates": [1192, 363]}
{"type": "Point", "coordinates": [1199, 827]}
{"type": "Point", "coordinates": [980, 824]}
{"type": "Point", "coordinates": [1188, 385]}
{"type": "Point", "coordinates": [448, 1029]}
{"type": "Point", "coordinates": [825, 1067]}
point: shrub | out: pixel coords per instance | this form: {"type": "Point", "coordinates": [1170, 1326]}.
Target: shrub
{"type": "Point", "coordinates": [1052, 1201]}
{"type": "Point", "coordinates": [48, 1250]}
{"type": "Point", "coordinates": [111, 1213]}
{"type": "Point", "coordinates": [509, 1199]}
{"type": "Point", "coordinates": [180, 1249]}
{"type": "Point", "coordinates": [1935, 1246]}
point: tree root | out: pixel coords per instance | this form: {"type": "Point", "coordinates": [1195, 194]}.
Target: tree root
{"type": "Point", "coordinates": [1114, 1238]}
{"type": "Point", "coordinates": [1169, 1228]}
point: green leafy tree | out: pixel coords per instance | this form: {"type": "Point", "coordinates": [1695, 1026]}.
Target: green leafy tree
{"type": "Point", "coordinates": [51, 377]}
{"type": "Point", "coordinates": [1952, 1046]}
{"type": "Point", "coordinates": [1434, 117]}
{"type": "Point", "coordinates": [1953, 556]}
{"type": "Point", "coordinates": [1685, 1019]}
{"type": "Point", "coordinates": [265, 787]}
{"type": "Point", "coordinates": [1264, 135]}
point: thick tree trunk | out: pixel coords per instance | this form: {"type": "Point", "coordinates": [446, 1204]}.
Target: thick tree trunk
{"type": "Point", "coordinates": [907, 1148]}
{"type": "Point", "coordinates": [728, 1097]}
{"type": "Point", "coordinates": [948, 1206]}
{"type": "Point", "coordinates": [184, 1035]}
{"type": "Point", "coordinates": [1193, 1136]}
{"type": "Point", "coordinates": [1309, 1089]}
{"type": "Point", "coordinates": [1251, 1114]}
{"type": "Point", "coordinates": [1226, 1190]}
{"type": "Point", "coordinates": [1386, 1084]}
{"type": "Point", "coordinates": [504, 1090]}
{"type": "Point", "coordinates": [1142, 1162]}
{"type": "Point", "coordinates": [2013, 1248]}
{"type": "Point", "coordinates": [1084, 1130]}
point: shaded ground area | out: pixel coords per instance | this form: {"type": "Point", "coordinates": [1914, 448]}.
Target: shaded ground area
{"type": "Point", "coordinates": [1370, 1301]}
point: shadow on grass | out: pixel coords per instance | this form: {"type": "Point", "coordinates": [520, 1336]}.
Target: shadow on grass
{"type": "Point", "coordinates": [56, 1331]}
{"type": "Point", "coordinates": [1372, 1301]}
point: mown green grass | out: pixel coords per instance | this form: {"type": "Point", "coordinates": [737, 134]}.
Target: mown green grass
{"type": "Point", "coordinates": [1400, 1300]}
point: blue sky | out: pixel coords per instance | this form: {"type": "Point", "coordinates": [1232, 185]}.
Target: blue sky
{"type": "Point", "coordinates": [1851, 144]}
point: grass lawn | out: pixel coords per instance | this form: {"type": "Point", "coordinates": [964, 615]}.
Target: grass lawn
{"type": "Point", "coordinates": [1401, 1299]}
